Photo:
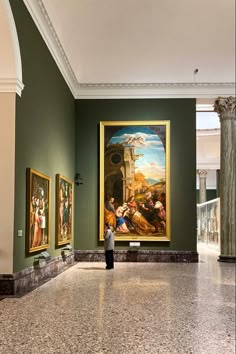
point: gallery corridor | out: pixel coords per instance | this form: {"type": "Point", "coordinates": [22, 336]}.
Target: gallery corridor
{"type": "Point", "coordinates": [134, 309]}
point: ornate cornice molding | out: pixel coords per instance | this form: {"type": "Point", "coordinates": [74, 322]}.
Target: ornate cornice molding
{"type": "Point", "coordinates": [158, 84]}
{"type": "Point", "coordinates": [117, 90]}
{"type": "Point", "coordinates": [11, 85]}
{"type": "Point", "coordinates": [40, 16]}
{"type": "Point", "coordinates": [154, 90]}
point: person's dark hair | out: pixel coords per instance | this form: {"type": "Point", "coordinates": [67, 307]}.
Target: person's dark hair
{"type": "Point", "coordinates": [107, 224]}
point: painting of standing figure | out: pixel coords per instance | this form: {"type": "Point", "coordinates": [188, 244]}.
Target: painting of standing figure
{"type": "Point", "coordinates": [38, 207]}
{"type": "Point", "coordinates": [134, 179]}
{"type": "Point", "coordinates": [64, 210]}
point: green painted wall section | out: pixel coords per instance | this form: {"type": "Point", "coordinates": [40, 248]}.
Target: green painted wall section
{"type": "Point", "coordinates": [56, 134]}
{"type": "Point", "coordinates": [182, 115]}
{"type": "Point", "coordinates": [45, 126]}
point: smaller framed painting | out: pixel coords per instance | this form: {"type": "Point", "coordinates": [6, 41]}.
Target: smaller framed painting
{"type": "Point", "coordinates": [64, 210]}
{"type": "Point", "coordinates": [38, 189]}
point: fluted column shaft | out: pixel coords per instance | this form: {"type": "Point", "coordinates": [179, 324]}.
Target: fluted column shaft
{"type": "Point", "coordinates": [202, 185]}
{"type": "Point", "coordinates": [218, 183]}
{"type": "Point", "coordinates": [225, 107]}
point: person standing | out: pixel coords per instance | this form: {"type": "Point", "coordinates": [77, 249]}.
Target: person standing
{"type": "Point", "coordinates": [109, 244]}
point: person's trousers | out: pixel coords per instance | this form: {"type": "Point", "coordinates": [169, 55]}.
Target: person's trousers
{"type": "Point", "coordinates": [109, 259]}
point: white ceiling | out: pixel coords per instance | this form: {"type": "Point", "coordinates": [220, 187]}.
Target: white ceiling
{"type": "Point", "coordinates": [146, 48]}
{"type": "Point", "coordinates": [146, 40]}
{"type": "Point", "coordinates": [141, 45]}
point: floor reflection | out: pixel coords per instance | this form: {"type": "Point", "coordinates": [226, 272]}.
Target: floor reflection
{"type": "Point", "coordinates": [135, 308]}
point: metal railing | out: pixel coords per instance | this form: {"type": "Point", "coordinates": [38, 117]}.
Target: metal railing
{"type": "Point", "coordinates": [208, 223]}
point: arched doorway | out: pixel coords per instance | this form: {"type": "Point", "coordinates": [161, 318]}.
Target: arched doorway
{"type": "Point", "coordinates": [10, 84]}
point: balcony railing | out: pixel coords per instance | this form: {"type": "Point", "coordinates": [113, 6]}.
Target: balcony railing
{"type": "Point", "coordinates": [208, 223]}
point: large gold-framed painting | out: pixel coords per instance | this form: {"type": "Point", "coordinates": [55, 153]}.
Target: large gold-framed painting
{"type": "Point", "coordinates": [135, 179]}
{"type": "Point", "coordinates": [64, 210]}
{"type": "Point", "coordinates": [38, 211]}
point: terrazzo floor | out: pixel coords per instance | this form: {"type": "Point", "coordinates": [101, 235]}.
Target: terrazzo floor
{"type": "Point", "coordinates": [135, 308]}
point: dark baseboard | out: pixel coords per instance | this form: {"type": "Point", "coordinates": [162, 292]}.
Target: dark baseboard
{"type": "Point", "coordinates": [22, 282]}
{"type": "Point", "coordinates": [227, 259]}
{"type": "Point", "coordinates": [138, 256]}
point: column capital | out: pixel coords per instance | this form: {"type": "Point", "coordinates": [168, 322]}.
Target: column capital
{"type": "Point", "coordinates": [202, 173]}
{"type": "Point", "coordinates": [225, 107]}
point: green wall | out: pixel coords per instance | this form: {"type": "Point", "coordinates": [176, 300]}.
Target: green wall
{"type": "Point", "coordinates": [182, 115]}
{"type": "Point", "coordinates": [45, 125]}
{"type": "Point", "coordinates": [56, 134]}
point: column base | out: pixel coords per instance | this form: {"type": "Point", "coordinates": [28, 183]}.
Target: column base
{"type": "Point", "coordinates": [228, 259]}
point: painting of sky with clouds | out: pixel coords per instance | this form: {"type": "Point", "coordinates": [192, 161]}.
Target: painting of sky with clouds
{"type": "Point", "coordinates": [147, 143]}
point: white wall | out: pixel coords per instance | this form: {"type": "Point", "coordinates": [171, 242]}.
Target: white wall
{"type": "Point", "coordinates": [7, 173]}
{"type": "Point", "coordinates": [7, 67]}
{"type": "Point", "coordinates": [10, 84]}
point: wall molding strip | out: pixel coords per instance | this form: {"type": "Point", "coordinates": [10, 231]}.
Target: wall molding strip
{"type": "Point", "coordinates": [11, 85]}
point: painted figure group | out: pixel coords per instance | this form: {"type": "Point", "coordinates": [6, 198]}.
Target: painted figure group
{"type": "Point", "coordinates": [65, 211]}
{"type": "Point", "coordinates": [39, 216]}
{"type": "Point", "coordinates": [139, 217]}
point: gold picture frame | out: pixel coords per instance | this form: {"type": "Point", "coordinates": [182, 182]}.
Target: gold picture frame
{"type": "Point", "coordinates": [38, 190]}
{"type": "Point", "coordinates": [64, 210]}
{"type": "Point", "coordinates": [135, 179]}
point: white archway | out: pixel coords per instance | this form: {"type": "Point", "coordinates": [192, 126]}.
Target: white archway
{"type": "Point", "coordinates": [10, 85]}
{"type": "Point", "coordinates": [10, 63]}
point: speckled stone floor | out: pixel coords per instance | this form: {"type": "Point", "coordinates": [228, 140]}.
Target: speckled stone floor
{"type": "Point", "coordinates": [135, 308]}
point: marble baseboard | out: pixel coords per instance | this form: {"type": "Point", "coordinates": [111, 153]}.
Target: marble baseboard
{"type": "Point", "coordinates": [138, 256]}
{"type": "Point", "coordinates": [19, 283]}
{"type": "Point", "coordinates": [32, 277]}
{"type": "Point", "coordinates": [227, 259]}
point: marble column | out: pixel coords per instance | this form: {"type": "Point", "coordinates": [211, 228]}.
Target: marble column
{"type": "Point", "coordinates": [202, 185]}
{"type": "Point", "coordinates": [217, 183]}
{"type": "Point", "coordinates": [225, 107]}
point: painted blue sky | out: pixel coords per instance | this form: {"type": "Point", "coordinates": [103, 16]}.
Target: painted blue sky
{"type": "Point", "coordinates": [146, 142]}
